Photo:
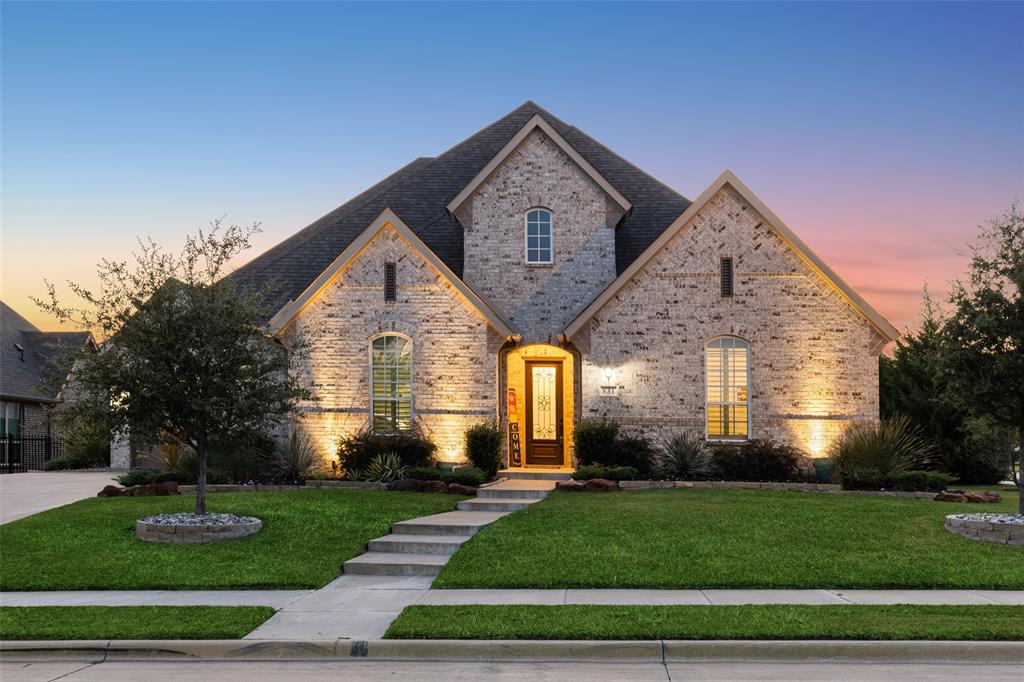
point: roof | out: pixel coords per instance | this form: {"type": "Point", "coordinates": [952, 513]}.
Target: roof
{"type": "Point", "coordinates": [421, 191]}
{"type": "Point", "coordinates": [28, 373]}
{"type": "Point", "coordinates": [386, 219]}
{"type": "Point", "coordinates": [880, 324]}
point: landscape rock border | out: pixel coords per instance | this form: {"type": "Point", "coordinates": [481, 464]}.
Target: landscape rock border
{"type": "Point", "coordinates": [995, 528]}
{"type": "Point", "coordinates": [155, 529]}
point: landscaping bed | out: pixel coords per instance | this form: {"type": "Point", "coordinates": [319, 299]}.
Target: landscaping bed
{"type": "Point", "coordinates": [130, 622]}
{"type": "Point", "coordinates": [776, 621]}
{"type": "Point", "coordinates": [306, 536]}
{"type": "Point", "coordinates": [694, 539]}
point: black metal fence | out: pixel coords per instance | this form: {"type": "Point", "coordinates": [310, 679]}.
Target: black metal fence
{"type": "Point", "coordinates": [27, 453]}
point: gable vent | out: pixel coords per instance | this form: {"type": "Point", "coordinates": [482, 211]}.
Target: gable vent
{"type": "Point", "coordinates": [389, 282]}
{"type": "Point", "coordinates": [726, 275]}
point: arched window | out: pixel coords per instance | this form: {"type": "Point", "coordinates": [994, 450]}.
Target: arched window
{"type": "Point", "coordinates": [727, 379]}
{"type": "Point", "coordinates": [538, 237]}
{"type": "Point", "coordinates": [391, 384]}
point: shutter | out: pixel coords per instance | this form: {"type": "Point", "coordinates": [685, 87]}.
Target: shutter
{"type": "Point", "coordinates": [726, 277]}
{"type": "Point", "coordinates": [389, 282]}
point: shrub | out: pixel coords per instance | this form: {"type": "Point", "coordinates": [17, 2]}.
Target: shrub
{"type": "Point", "coordinates": [88, 445]}
{"type": "Point", "coordinates": [298, 458]}
{"type": "Point", "coordinates": [602, 442]}
{"type": "Point", "coordinates": [931, 481]}
{"type": "Point", "coordinates": [424, 474]}
{"type": "Point", "coordinates": [252, 458]}
{"type": "Point", "coordinates": [413, 449]}
{"type": "Point", "coordinates": [756, 460]}
{"type": "Point", "coordinates": [71, 461]}
{"type": "Point", "coordinates": [188, 470]}
{"type": "Point", "coordinates": [684, 457]}
{"type": "Point", "coordinates": [145, 477]}
{"type": "Point", "coordinates": [465, 476]}
{"type": "Point", "coordinates": [871, 455]}
{"type": "Point", "coordinates": [594, 442]}
{"type": "Point", "coordinates": [385, 468]}
{"type": "Point", "coordinates": [483, 447]}
{"type": "Point", "coordinates": [592, 471]}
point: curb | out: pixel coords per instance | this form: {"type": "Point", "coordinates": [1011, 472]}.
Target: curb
{"type": "Point", "coordinates": [99, 651]}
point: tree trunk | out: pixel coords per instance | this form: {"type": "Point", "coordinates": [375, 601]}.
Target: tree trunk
{"type": "Point", "coordinates": [201, 480]}
{"type": "Point", "coordinates": [1020, 471]}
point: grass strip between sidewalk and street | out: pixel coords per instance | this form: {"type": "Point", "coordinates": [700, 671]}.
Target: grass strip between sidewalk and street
{"type": "Point", "coordinates": [130, 622]}
{"type": "Point", "coordinates": [772, 621]}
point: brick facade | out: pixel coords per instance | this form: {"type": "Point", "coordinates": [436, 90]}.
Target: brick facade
{"type": "Point", "coordinates": [454, 356]}
{"type": "Point", "coordinates": [814, 360]}
{"type": "Point", "coordinates": [539, 300]}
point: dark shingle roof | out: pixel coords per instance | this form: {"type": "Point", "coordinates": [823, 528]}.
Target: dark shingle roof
{"type": "Point", "coordinates": [419, 193]}
{"type": "Point", "coordinates": [29, 373]}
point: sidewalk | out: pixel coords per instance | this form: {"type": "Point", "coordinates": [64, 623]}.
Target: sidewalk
{"type": "Point", "coordinates": [362, 607]}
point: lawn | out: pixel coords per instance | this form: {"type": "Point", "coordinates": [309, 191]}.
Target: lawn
{"type": "Point", "coordinates": [306, 537]}
{"type": "Point", "coordinates": [733, 539]}
{"type": "Point", "coordinates": [709, 622]}
{"type": "Point", "coordinates": [130, 622]}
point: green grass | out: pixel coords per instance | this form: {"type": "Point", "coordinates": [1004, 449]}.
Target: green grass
{"type": "Point", "coordinates": [733, 539]}
{"type": "Point", "coordinates": [709, 622]}
{"type": "Point", "coordinates": [306, 536]}
{"type": "Point", "coordinates": [130, 622]}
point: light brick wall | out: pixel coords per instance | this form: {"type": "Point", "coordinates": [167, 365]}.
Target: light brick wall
{"type": "Point", "coordinates": [454, 348]}
{"type": "Point", "coordinates": [814, 360]}
{"type": "Point", "coordinates": [539, 300]}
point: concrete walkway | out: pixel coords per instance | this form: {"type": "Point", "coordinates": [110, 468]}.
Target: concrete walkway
{"type": "Point", "coordinates": [25, 494]}
{"type": "Point", "coordinates": [388, 593]}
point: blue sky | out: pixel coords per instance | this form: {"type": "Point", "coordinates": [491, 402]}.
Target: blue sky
{"type": "Point", "coordinates": [882, 133]}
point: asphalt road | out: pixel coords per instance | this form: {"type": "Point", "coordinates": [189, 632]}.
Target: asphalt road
{"type": "Point", "coordinates": [413, 671]}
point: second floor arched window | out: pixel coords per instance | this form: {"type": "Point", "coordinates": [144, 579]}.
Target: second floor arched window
{"type": "Point", "coordinates": [539, 250]}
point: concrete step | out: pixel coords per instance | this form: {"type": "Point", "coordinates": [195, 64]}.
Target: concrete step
{"type": "Point", "coordinates": [492, 504]}
{"type": "Point", "coordinates": [536, 474]}
{"type": "Point", "coordinates": [389, 563]}
{"type": "Point", "coordinates": [459, 523]}
{"type": "Point", "coordinates": [405, 543]}
{"type": "Point", "coordinates": [512, 493]}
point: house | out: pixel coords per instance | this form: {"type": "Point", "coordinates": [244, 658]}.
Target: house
{"type": "Point", "coordinates": [34, 372]}
{"type": "Point", "coordinates": [531, 275]}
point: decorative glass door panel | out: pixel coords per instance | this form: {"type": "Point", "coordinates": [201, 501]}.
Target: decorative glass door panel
{"type": "Point", "coordinates": [544, 400]}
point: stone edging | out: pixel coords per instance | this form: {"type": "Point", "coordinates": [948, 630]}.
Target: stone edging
{"type": "Point", "coordinates": [100, 651]}
{"type": "Point", "coordinates": [268, 488]}
{"type": "Point", "coordinates": [755, 485]}
{"type": "Point", "coordinates": [986, 531]}
{"type": "Point", "coordinates": [181, 534]}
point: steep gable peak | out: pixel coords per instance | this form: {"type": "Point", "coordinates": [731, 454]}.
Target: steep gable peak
{"type": "Point", "coordinates": [537, 122]}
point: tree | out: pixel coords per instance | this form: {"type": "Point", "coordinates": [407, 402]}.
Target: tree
{"type": "Point", "coordinates": [985, 333]}
{"type": "Point", "coordinates": [913, 383]}
{"type": "Point", "coordinates": [184, 356]}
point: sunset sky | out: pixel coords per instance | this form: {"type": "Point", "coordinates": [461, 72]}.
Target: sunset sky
{"type": "Point", "coordinates": [883, 134]}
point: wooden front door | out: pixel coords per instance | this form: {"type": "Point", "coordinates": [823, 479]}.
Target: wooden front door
{"type": "Point", "coordinates": [544, 413]}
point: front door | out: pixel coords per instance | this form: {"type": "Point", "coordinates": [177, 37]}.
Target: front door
{"type": "Point", "coordinates": [544, 413]}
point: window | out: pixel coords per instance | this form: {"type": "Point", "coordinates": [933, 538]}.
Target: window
{"type": "Point", "coordinates": [726, 275]}
{"type": "Point", "coordinates": [391, 384]}
{"type": "Point", "coordinates": [390, 285]}
{"type": "Point", "coordinates": [538, 237]}
{"type": "Point", "coordinates": [10, 419]}
{"type": "Point", "coordinates": [727, 372]}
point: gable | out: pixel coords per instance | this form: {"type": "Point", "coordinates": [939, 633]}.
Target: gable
{"type": "Point", "coordinates": [537, 122]}
{"type": "Point", "coordinates": [795, 248]}
{"type": "Point", "coordinates": [386, 223]}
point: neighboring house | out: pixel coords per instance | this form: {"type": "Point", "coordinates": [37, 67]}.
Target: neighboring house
{"type": "Point", "coordinates": [532, 276]}
{"type": "Point", "coordinates": [34, 380]}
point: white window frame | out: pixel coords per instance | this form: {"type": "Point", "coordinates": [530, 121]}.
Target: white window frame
{"type": "Point", "coordinates": [526, 236]}
{"type": "Point", "coordinates": [408, 400]}
{"type": "Point", "coordinates": [728, 403]}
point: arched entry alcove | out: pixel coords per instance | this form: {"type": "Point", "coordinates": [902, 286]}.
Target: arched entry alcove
{"type": "Point", "coordinates": [540, 398]}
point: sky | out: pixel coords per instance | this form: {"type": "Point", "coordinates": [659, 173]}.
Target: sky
{"type": "Point", "coordinates": [883, 134]}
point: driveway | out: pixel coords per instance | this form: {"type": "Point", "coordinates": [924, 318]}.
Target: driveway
{"type": "Point", "coordinates": [26, 494]}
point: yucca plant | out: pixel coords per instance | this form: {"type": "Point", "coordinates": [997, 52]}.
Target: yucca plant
{"type": "Point", "coordinates": [385, 468]}
{"type": "Point", "coordinates": [298, 457]}
{"type": "Point", "coordinates": [870, 455]}
{"type": "Point", "coordinates": [684, 457]}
